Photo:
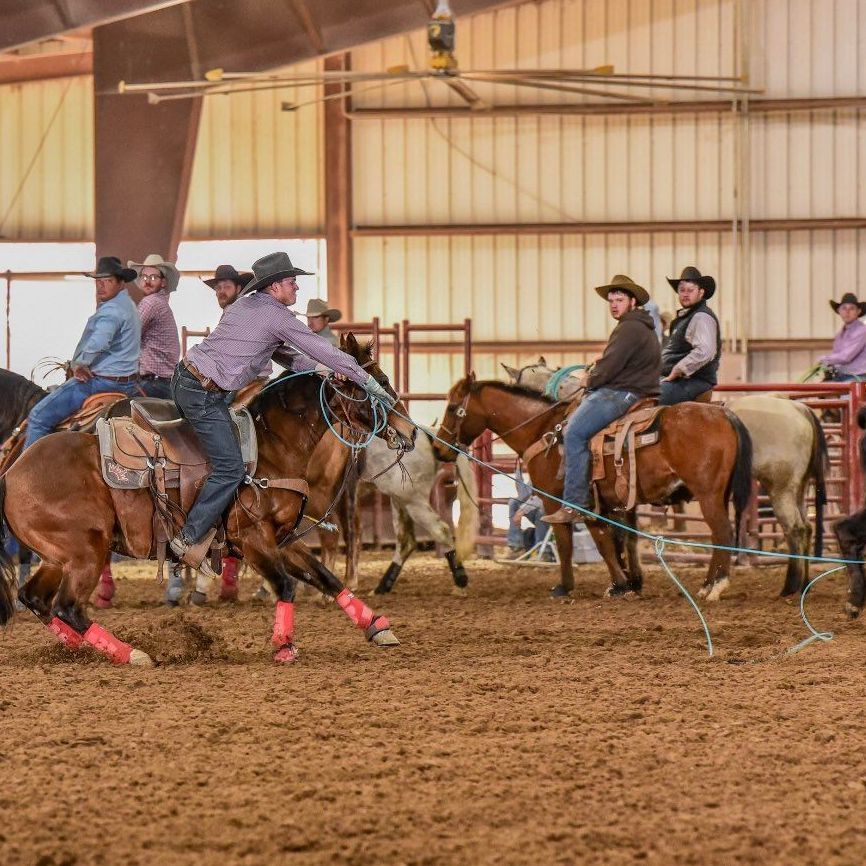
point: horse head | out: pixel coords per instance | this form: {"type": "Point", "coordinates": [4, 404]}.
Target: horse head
{"type": "Point", "coordinates": [462, 423]}
{"type": "Point", "coordinates": [398, 431]}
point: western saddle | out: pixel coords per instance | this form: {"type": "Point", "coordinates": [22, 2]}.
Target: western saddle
{"type": "Point", "coordinates": [156, 448]}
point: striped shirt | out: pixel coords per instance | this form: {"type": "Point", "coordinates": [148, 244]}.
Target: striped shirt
{"type": "Point", "coordinates": [247, 335]}
{"type": "Point", "coordinates": [160, 344]}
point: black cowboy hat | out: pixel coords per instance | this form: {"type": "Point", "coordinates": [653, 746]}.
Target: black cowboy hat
{"type": "Point", "coordinates": [849, 298]}
{"type": "Point", "coordinates": [622, 283]}
{"type": "Point", "coordinates": [111, 266]}
{"type": "Point", "coordinates": [228, 272]}
{"type": "Point", "coordinates": [693, 275]}
{"type": "Point", "coordinates": [271, 269]}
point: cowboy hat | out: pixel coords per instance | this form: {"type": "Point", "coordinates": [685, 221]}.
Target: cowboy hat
{"type": "Point", "coordinates": [693, 275]}
{"type": "Point", "coordinates": [271, 269]}
{"type": "Point", "coordinates": [622, 283]}
{"type": "Point", "coordinates": [228, 272]}
{"type": "Point", "coordinates": [167, 269]}
{"type": "Point", "coordinates": [317, 307]}
{"type": "Point", "coordinates": [849, 298]}
{"type": "Point", "coordinates": [110, 266]}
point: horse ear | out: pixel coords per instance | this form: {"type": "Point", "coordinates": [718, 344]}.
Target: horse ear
{"type": "Point", "coordinates": [343, 342]}
{"type": "Point", "coordinates": [351, 343]}
{"type": "Point", "coordinates": [471, 376]}
{"type": "Point", "coordinates": [513, 372]}
{"type": "Point", "coordinates": [542, 361]}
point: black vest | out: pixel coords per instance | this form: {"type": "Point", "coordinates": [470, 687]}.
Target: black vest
{"type": "Point", "coordinates": [678, 347]}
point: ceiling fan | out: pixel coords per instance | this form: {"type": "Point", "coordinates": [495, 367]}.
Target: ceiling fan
{"type": "Point", "coordinates": [443, 68]}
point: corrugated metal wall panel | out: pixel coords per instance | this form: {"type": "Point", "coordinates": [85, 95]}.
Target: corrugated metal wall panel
{"type": "Point", "coordinates": [47, 193]}
{"type": "Point", "coordinates": [258, 171]}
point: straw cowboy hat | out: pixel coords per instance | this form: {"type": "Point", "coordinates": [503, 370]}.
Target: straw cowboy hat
{"type": "Point", "coordinates": [622, 283]}
{"type": "Point", "coordinates": [317, 307]}
{"type": "Point", "coordinates": [110, 266]}
{"type": "Point", "coordinates": [228, 272]}
{"type": "Point", "coordinates": [849, 298]}
{"type": "Point", "coordinates": [271, 269]}
{"type": "Point", "coordinates": [168, 270]}
{"type": "Point", "coordinates": [693, 275]}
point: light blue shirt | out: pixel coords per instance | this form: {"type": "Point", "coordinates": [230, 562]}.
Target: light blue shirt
{"type": "Point", "coordinates": [111, 341]}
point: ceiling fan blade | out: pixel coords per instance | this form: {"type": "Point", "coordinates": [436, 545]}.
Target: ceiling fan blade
{"type": "Point", "coordinates": [541, 84]}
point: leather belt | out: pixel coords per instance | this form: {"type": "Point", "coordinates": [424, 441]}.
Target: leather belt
{"type": "Point", "coordinates": [132, 378]}
{"type": "Point", "coordinates": [204, 381]}
{"type": "Point", "coordinates": [152, 377]}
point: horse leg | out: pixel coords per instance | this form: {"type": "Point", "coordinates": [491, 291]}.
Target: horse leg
{"type": "Point", "coordinates": [177, 577]}
{"type": "Point", "coordinates": [851, 534]}
{"type": "Point", "coordinates": [427, 518]}
{"type": "Point", "coordinates": [376, 627]}
{"type": "Point", "coordinates": [715, 513]}
{"type": "Point", "coordinates": [608, 540]}
{"type": "Point", "coordinates": [634, 568]}
{"type": "Point", "coordinates": [106, 589]}
{"type": "Point", "coordinates": [563, 533]}
{"type": "Point", "coordinates": [350, 520]}
{"type": "Point", "coordinates": [39, 590]}
{"type": "Point", "coordinates": [229, 579]}
{"type": "Point", "coordinates": [284, 585]}
{"type": "Point", "coordinates": [72, 624]}
{"type": "Point", "coordinates": [797, 534]}
{"type": "Point", "coordinates": [405, 546]}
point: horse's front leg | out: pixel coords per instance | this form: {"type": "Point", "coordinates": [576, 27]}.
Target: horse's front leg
{"type": "Point", "coordinates": [376, 627]}
{"type": "Point", "coordinates": [851, 534]}
{"type": "Point", "coordinates": [634, 568]}
{"type": "Point", "coordinates": [608, 540]}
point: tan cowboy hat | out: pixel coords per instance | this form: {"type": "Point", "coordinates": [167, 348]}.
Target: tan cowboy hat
{"type": "Point", "coordinates": [622, 283]}
{"type": "Point", "coordinates": [271, 269]}
{"type": "Point", "coordinates": [155, 260]}
{"type": "Point", "coordinates": [317, 307]}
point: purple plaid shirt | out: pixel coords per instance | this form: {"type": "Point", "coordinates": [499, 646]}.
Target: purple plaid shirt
{"type": "Point", "coordinates": [160, 344]}
{"type": "Point", "coordinates": [247, 335]}
{"type": "Point", "coordinates": [849, 349]}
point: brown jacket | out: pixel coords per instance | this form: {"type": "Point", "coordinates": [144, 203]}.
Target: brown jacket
{"type": "Point", "coordinates": [631, 359]}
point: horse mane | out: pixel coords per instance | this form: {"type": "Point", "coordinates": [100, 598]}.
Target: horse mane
{"type": "Point", "coordinates": [518, 390]}
{"type": "Point", "coordinates": [18, 395]}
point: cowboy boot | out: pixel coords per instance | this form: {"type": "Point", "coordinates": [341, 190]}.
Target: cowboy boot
{"type": "Point", "coordinates": [563, 515]}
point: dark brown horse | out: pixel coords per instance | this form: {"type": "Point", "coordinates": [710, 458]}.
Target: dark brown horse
{"type": "Point", "coordinates": [55, 500]}
{"type": "Point", "coordinates": [703, 453]}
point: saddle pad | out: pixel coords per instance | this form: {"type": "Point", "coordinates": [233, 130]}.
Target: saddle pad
{"type": "Point", "coordinates": [125, 450]}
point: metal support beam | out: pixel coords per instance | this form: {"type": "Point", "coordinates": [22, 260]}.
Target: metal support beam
{"type": "Point", "coordinates": [143, 152]}
{"type": "Point", "coordinates": [338, 193]}
{"type": "Point", "coordinates": [759, 225]}
{"type": "Point", "coordinates": [708, 106]}
{"type": "Point", "coordinates": [39, 67]}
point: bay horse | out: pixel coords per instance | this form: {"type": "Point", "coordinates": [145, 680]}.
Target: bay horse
{"type": "Point", "coordinates": [789, 452]}
{"type": "Point", "coordinates": [55, 500]}
{"type": "Point", "coordinates": [703, 452]}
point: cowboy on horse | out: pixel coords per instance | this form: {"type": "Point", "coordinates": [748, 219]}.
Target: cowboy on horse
{"type": "Point", "coordinates": [847, 361]}
{"type": "Point", "coordinates": [627, 371]}
{"type": "Point", "coordinates": [252, 329]}
{"type": "Point", "coordinates": [690, 360]}
{"type": "Point", "coordinates": [106, 357]}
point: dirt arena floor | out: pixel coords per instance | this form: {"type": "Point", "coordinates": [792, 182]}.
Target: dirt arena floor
{"type": "Point", "coordinates": [507, 729]}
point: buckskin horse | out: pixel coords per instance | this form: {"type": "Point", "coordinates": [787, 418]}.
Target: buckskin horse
{"type": "Point", "coordinates": [55, 500]}
{"type": "Point", "coordinates": [789, 451]}
{"type": "Point", "coordinates": [703, 452]}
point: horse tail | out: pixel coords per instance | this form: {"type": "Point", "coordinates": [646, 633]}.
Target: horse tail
{"type": "Point", "coordinates": [467, 496]}
{"type": "Point", "coordinates": [740, 483]}
{"type": "Point", "coordinates": [818, 464]}
{"type": "Point", "coordinates": [7, 570]}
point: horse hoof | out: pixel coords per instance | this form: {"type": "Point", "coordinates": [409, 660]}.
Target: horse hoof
{"type": "Point", "coordinates": [140, 659]}
{"type": "Point", "coordinates": [717, 589]}
{"type": "Point", "coordinates": [199, 599]}
{"type": "Point", "coordinates": [852, 610]}
{"type": "Point", "coordinates": [263, 596]}
{"type": "Point", "coordinates": [702, 592]}
{"type": "Point", "coordinates": [559, 591]}
{"type": "Point", "coordinates": [385, 638]}
{"type": "Point", "coordinates": [617, 591]}
{"type": "Point", "coordinates": [381, 589]}
{"type": "Point", "coordinates": [229, 593]}
{"type": "Point", "coordinates": [459, 592]}
{"type": "Point", "coordinates": [286, 655]}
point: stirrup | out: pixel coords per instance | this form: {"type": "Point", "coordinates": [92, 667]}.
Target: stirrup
{"type": "Point", "coordinates": [197, 555]}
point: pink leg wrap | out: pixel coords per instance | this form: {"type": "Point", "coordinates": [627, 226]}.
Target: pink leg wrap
{"type": "Point", "coordinates": [229, 579]}
{"type": "Point", "coordinates": [105, 590]}
{"type": "Point", "coordinates": [284, 624]}
{"type": "Point", "coordinates": [355, 609]}
{"type": "Point", "coordinates": [66, 634]}
{"type": "Point", "coordinates": [105, 642]}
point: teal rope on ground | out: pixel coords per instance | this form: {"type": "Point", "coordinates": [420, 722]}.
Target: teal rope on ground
{"type": "Point", "coordinates": [816, 635]}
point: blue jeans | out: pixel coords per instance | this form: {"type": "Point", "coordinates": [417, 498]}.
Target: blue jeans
{"type": "Point", "coordinates": [515, 533]}
{"type": "Point", "coordinates": [598, 409]}
{"type": "Point", "coordinates": [681, 390]}
{"type": "Point", "coordinates": [65, 400]}
{"type": "Point", "coordinates": [208, 413]}
{"type": "Point", "coordinates": [842, 376]}
{"type": "Point", "coordinates": [158, 387]}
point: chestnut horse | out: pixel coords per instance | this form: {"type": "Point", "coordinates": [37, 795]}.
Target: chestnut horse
{"type": "Point", "coordinates": [703, 452]}
{"type": "Point", "coordinates": [55, 500]}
